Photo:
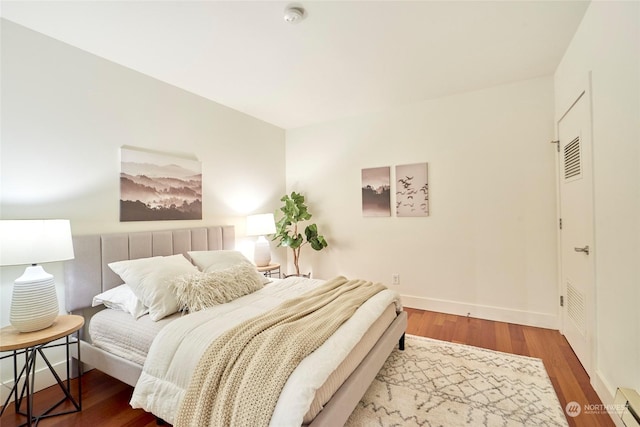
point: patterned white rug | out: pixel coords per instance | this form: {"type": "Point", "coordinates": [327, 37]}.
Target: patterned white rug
{"type": "Point", "coordinates": [435, 383]}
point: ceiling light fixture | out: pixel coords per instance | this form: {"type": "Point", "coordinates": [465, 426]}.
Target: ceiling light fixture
{"type": "Point", "coordinates": [294, 14]}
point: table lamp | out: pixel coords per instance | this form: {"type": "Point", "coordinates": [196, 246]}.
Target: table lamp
{"type": "Point", "coordinates": [260, 225]}
{"type": "Point", "coordinates": [34, 303]}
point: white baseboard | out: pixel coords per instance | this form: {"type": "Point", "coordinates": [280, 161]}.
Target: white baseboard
{"type": "Point", "coordinates": [604, 391]}
{"type": "Point", "coordinates": [43, 379]}
{"type": "Point", "coordinates": [500, 314]}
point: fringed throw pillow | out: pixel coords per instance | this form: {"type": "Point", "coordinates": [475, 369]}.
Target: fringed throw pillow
{"type": "Point", "coordinates": [198, 291]}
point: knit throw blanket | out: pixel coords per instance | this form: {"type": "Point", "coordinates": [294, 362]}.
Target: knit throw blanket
{"type": "Point", "coordinates": [240, 376]}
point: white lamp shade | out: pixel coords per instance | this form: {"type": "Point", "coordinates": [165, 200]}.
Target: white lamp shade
{"type": "Point", "coordinates": [35, 241]}
{"type": "Point", "coordinates": [261, 224]}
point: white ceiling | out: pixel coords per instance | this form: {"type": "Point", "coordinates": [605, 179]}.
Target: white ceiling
{"type": "Point", "coordinates": [345, 58]}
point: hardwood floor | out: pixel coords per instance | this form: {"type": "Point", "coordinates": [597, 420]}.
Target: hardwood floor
{"type": "Point", "coordinates": [105, 400]}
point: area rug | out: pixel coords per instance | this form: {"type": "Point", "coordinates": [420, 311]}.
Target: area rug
{"type": "Point", "coordinates": [436, 383]}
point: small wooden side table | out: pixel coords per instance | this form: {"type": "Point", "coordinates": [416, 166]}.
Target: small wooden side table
{"type": "Point", "coordinates": [31, 344]}
{"type": "Point", "coordinates": [270, 270]}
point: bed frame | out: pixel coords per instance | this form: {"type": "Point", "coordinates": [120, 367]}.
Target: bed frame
{"type": "Point", "coordinates": [88, 275]}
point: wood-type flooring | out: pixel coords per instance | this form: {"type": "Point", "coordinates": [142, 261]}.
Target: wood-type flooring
{"type": "Point", "coordinates": [105, 401]}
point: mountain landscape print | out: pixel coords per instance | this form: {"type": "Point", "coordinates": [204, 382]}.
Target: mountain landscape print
{"type": "Point", "coordinates": [159, 187]}
{"type": "Point", "coordinates": [376, 192]}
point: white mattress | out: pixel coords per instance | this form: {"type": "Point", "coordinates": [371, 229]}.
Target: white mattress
{"type": "Point", "coordinates": [176, 351]}
{"type": "Point", "coordinates": [119, 333]}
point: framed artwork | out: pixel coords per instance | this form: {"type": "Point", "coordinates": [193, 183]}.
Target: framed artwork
{"type": "Point", "coordinates": [159, 187]}
{"type": "Point", "coordinates": [412, 190]}
{"type": "Point", "coordinates": [376, 191]}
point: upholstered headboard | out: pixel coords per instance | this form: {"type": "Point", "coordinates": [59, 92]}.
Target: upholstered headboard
{"type": "Point", "coordinates": [88, 274]}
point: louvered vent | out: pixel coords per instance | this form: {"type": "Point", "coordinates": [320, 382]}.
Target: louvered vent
{"type": "Point", "coordinates": [575, 307]}
{"type": "Point", "coordinates": [572, 159]}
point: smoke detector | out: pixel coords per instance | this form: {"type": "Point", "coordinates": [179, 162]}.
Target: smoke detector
{"type": "Point", "coordinates": [293, 15]}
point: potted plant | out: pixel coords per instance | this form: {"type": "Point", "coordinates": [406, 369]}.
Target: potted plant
{"type": "Point", "coordinates": [295, 211]}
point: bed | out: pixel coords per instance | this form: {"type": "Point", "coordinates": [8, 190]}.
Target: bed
{"type": "Point", "coordinates": [89, 275]}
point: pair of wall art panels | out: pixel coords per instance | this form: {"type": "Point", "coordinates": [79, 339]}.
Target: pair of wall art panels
{"type": "Point", "coordinates": [410, 186]}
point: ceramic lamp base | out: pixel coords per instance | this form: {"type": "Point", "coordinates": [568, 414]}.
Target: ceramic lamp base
{"type": "Point", "coordinates": [262, 252]}
{"type": "Point", "coordinates": [34, 302]}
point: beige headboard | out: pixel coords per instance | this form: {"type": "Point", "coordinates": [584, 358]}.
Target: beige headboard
{"type": "Point", "coordinates": [88, 274]}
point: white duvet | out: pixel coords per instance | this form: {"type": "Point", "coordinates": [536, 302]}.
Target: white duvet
{"type": "Point", "coordinates": [178, 348]}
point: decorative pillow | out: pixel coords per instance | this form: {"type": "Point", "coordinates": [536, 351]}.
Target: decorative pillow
{"type": "Point", "coordinates": [209, 261]}
{"type": "Point", "coordinates": [121, 298]}
{"type": "Point", "coordinates": [202, 290]}
{"type": "Point", "coordinates": [149, 280]}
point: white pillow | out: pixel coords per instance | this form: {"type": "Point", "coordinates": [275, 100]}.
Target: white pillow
{"type": "Point", "coordinates": [121, 298]}
{"type": "Point", "coordinates": [149, 280]}
{"type": "Point", "coordinates": [208, 261]}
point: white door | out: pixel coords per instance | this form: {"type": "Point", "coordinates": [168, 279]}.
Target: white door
{"type": "Point", "coordinates": [576, 235]}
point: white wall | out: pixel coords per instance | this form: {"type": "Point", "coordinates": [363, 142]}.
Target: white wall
{"type": "Point", "coordinates": [489, 246]}
{"type": "Point", "coordinates": [607, 44]}
{"type": "Point", "coordinates": [65, 115]}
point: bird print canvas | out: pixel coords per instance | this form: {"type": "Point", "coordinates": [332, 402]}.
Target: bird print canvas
{"type": "Point", "coordinates": [412, 190]}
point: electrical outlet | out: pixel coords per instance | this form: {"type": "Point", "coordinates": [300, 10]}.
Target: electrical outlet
{"type": "Point", "coordinates": [395, 279]}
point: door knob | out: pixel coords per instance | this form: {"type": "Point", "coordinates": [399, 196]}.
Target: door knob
{"type": "Point", "coordinates": [585, 249]}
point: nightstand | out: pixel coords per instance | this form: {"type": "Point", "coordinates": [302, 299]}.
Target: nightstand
{"type": "Point", "coordinates": [30, 344]}
{"type": "Point", "coordinates": [270, 270]}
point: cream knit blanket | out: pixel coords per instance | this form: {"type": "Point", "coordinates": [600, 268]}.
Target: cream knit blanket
{"type": "Point", "coordinates": [240, 376]}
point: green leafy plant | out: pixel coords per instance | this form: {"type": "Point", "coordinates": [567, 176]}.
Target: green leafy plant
{"type": "Point", "coordinates": [295, 211]}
